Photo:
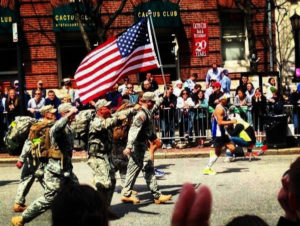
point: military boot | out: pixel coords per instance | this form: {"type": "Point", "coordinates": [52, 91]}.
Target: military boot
{"type": "Point", "coordinates": [162, 199]}
{"type": "Point", "coordinates": [19, 208]}
{"type": "Point", "coordinates": [17, 221]}
{"type": "Point", "coordinates": [132, 199]}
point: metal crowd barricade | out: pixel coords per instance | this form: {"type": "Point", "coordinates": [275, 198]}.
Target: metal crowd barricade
{"type": "Point", "coordinates": [193, 123]}
{"type": "Point", "coordinates": [183, 123]}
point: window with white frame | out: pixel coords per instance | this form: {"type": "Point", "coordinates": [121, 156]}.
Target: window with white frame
{"type": "Point", "coordinates": [234, 40]}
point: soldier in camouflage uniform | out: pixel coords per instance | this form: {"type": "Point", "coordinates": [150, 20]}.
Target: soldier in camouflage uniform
{"type": "Point", "coordinates": [59, 167]}
{"type": "Point", "coordinates": [32, 168]}
{"type": "Point", "coordinates": [141, 131]}
{"type": "Point", "coordinates": [100, 146]}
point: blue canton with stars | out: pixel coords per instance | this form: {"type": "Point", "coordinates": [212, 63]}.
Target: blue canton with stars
{"type": "Point", "coordinates": [137, 35]}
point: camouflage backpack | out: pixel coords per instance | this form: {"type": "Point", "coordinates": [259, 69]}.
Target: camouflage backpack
{"type": "Point", "coordinates": [17, 134]}
{"type": "Point", "coordinates": [120, 132]}
{"type": "Point", "coordinates": [80, 128]}
{"type": "Point", "coordinates": [39, 135]}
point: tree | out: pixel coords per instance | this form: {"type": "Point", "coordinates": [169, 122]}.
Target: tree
{"type": "Point", "coordinates": [93, 10]}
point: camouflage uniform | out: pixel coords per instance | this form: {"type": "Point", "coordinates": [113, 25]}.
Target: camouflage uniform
{"type": "Point", "coordinates": [142, 129]}
{"type": "Point", "coordinates": [100, 158]}
{"type": "Point", "coordinates": [120, 161]}
{"type": "Point", "coordinates": [28, 173]}
{"type": "Point", "coordinates": [57, 171]}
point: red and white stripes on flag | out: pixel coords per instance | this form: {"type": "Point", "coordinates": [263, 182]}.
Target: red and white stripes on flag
{"type": "Point", "coordinates": [106, 64]}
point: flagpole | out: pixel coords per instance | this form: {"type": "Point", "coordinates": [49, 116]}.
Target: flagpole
{"type": "Point", "coordinates": [156, 45]}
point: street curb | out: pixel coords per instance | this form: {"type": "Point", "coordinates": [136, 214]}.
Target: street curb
{"type": "Point", "coordinates": [182, 153]}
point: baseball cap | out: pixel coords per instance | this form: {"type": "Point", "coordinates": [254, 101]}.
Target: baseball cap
{"type": "Point", "coordinates": [47, 109]}
{"type": "Point", "coordinates": [149, 96]}
{"type": "Point", "coordinates": [225, 72]}
{"type": "Point", "coordinates": [16, 82]}
{"type": "Point", "coordinates": [65, 107]}
{"type": "Point", "coordinates": [224, 96]}
{"type": "Point", "coordinates": [102, 103]}
{"type": "Point", "coordinates": [216, 84]}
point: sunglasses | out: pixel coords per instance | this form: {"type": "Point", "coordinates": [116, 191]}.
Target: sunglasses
{"type": "Point", "coordinates": [184, 93]}
{"type": "Point", "coordinates": [38, 94]}
{"type": "Point", "coordinates": [129, 87]}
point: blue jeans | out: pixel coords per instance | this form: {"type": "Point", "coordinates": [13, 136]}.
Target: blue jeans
{"type": "Point", "coordinates": [168, 130]}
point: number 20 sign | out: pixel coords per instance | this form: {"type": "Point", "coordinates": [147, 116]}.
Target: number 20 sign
{"type": "Point", "coordinates": [200, 39]}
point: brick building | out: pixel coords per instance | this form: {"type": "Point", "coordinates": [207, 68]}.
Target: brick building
{"type": "Point", "coordinates": [50, 53]}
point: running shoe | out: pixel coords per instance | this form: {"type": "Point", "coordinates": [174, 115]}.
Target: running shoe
{"type": "Point", "coordinates": [209, 171]}
{"type": "Point", "coordinates": [159, 173]}
{"type": "Point", "coordinates": [164, 146]}
{"type": "Point", "coordinates": [169, 146]}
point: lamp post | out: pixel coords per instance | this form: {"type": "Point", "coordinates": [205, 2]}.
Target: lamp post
{"type": "Point", "coordinates": [295, 21]}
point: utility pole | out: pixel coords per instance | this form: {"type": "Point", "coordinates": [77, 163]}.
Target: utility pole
{"type": "Point", "coordinates": [20, 58]}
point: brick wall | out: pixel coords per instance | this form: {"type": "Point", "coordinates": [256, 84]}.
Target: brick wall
{"type": "Point", "coordinates": [40, 49]}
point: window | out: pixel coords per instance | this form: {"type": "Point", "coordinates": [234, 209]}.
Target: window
{"type": "Point", "coordinates": [8, 58]}
{"type": "Point", "coordinates": [234, 40]}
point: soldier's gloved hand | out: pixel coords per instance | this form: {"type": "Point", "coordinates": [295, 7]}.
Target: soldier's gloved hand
{"type": "Point", "coordinates": [137, 107]}
{"type": "Point", "coordinates": [127, 152]}
{"type": "Point", "coordinates": [19, 164]}
{"type": "Point", "coordinates": [122, 117]}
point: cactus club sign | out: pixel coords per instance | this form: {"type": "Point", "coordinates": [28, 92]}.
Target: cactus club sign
{"type": "Point", "coordinates": [200, 39]}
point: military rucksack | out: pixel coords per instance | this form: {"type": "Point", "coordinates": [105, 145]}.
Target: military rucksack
{"type": "Point", "coordinates": [120, 132]}
{"type": "Point", "coordinates": [39, 135]}
{"type": "Point", "coordinates": [80, 128]}
{"type": "Point", "coordinates": [17, 134]}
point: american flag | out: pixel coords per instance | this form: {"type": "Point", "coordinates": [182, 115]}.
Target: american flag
{"type": "Point", "coordinates": [126, 54]}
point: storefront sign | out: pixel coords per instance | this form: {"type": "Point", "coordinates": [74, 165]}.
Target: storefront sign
{"type": "Point", "coordinates": [200, 39]}
{"type": "Point", "coordinates": [164, 14]}
{"type": "Point", "coordinates": [7, 17]}
{"type": "Point", "coordinates": [64, 18]}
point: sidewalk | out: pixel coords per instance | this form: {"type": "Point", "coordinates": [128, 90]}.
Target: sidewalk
{"type": "Point", "coordinates": [166, 154]}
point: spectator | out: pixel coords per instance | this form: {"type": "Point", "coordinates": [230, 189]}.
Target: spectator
{"type": "Point", "coordinates": [67, 89]}
{"type": "Point", "coordinates": [39, 88]}
{"type": "Point", "coordinates": [177, 88]}
{"type": "Point", "coordinates": [66, 99]}
{"type": "Point", "coordinates": [79, 205]}
{"type": "Point", "coordinates": [289, 195]}
{"type": "Point", "coordinates": [146, 86]}
{"type": "Point", "coordinates": [194, 93]}
{"type": "Point", "coordinates": [250, 90]}
{"type": "Point", "coordinates": [243, 84]}
{"type": "Point", "coordinates": [2, 127]}
{"type": "Point", "coordinates": [295, 101]}
{"type": "Point", "coordinates": [35, 104]}
{"type": "Point", "coordinates": [186, 117]}
{"type": "Point", "coordinates": [52, 99]}
{"type": "Point", "coordinates": [225, 82]}
{"type": "Point", "coordinates": [153, 84]}
{"type": "Point", "coordinates": [286, 91]}
{"type": "Point", "coordinates": [259, 105]}
{"type": "Point", "coordinates": [6, 92]}
{"type": "Point", "coordinates": [16, 87]}
{"type": "Point", "coordinates": [200, 122]}
{"type": "Point", "coordinates": [209, 90]}
{"type": "Point", "coordinates": [167, 114]}
{"type": "Point", "coordinates": [12, 106]}
{"type": "Point", "coordinates": [191, 82]}
{"type": "Point", "coordinates": [242, 101]}
{"type": "Point", "coordinates": [115, 97]}
{"type": "Point", "coordinates": [123, 88]}
{"type": "Point", "coordinates": [214, 97]}
{"type": "Point", "coordinates": [133, 96]}
{"type": "Point", "coordinates": [214, 73]}
{"type": "Point", "coordinates": [270, 87]}
{"type": "Point", "coordinates": [276, 102]}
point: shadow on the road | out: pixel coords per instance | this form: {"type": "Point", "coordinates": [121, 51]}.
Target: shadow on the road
{"type": "Point", "coordinates": [246, 159]}
{"type": "Point", "coordinates": [5, 182]}
{"type": "Point", "coordinates": [234, 170]}
{"type": "Point", "coordinates": [146, 199]}
{"type": "Point", "coordinates": [164, 166]}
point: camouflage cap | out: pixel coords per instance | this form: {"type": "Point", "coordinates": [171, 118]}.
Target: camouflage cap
{"type": "Point", "coordinates": [149, 96]}
{"type": "Point", "coordinates": [47, 109]}
{"type": "Point", "coordinates": [65, 107]}
{"type": "Point", "coordinates": [102, 103]}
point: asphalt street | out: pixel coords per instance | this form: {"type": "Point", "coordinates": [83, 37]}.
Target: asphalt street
{"type": "Point", "coordinates": [239, 188]}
